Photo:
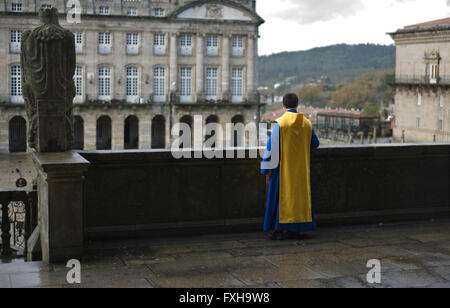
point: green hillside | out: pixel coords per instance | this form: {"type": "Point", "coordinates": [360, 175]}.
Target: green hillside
{"type": "Point", "coordinates": [340, 63]}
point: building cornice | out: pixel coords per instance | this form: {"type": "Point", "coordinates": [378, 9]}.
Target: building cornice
{"type": "Point", "coordinates": [167, 19]}
{"type": "Point", "coordinates": [421, 37]}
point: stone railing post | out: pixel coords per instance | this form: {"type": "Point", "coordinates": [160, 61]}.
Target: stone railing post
{"type": "Point", "coordinates": [48, 65]}
{"type": "Point", "coordinates": [60, 194]}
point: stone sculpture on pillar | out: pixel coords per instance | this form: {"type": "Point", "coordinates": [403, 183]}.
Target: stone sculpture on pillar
{"type": "Point", "coordinates": [48, 65]}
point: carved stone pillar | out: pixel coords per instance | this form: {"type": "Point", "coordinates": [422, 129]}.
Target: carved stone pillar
{"type": "Point", "coordinates": [48, 66]}
{"type": "Point", "coordinates": [226, 68]}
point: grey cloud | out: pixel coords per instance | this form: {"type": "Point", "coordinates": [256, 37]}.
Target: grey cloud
{"type": "Point", "coordinates": [306, 12]}
{"type": "Point", "coordinates": [310, 11]}
{"type": "Point", "coordinates": [448, 2]}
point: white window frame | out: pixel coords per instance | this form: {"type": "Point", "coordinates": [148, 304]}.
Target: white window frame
{"type": "Point", "coordinates": [419, 99]}
{"type": "Point", "coordinates": [16, 7]}
{"type": "Point", "coordinates": [441, 101]}
{"type": "Point", "coordinates": [433, 73]}
{"type": "Point", "coordinates": [441, 125]}
{"type": "Point", "coordinates": [78, 80]}
{"type": "Point", "coordinates": [132, 41]}
{"type": "Point", "coordinates": [15, 77]}
{"type": "Point", "coordinates": [132, 84]}
{"type": "Point", "coordinates": [186, 45]}
{"type": "Point", "coordinates": [104, 83]}
{"type": "Point", "coordinates": [15, 41]}
{"type": "Point", "coordinates": [186, 84]}
{"type": "Point", "coordinates": [237, 44]}
{"type": "Point", "coordinates": [212, 45]}
{"type": "Point", "coordinates": [104, 10]}
{"type": "Point", "coordinates": [418, 123]}
{"type": "Point", "coordinates": [159, 44]}
{"type": "Point", "coordinates": [131, 11]}
{"type": "Point", "coordinates": [159, 84]}
{"type": "Point", "coordinates": [104, 42]}
{"type": "Point", "coordinates": [78, 42]}
{"type": "Point", "coordinates": [237, 85]}
{"type": "Point", "coordinates": [160, 12]}
{"type": "Point", "coordinates": [212, 81]}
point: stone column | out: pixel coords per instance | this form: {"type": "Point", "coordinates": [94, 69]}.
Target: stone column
{"type": "Point", "coordinates": [226, 67]}
{"type": "Point", "coordinates": [90, 130]}
{"type": "Point", "coordinates": [199, 65]}
{"type": "Point", "coordinates": [256, 64]}
{"type": "Point", "coordinates": [145, 130]}
{"type": "Point", "coordinates": [173, 64]}
{"type": "Point", "coordinates": [117, 131]}
{"type": "Point", "coordinates": [250, 67]}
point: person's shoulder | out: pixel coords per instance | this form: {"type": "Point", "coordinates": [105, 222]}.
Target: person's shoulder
{"type": "Point", "coordinates": [308, 122]}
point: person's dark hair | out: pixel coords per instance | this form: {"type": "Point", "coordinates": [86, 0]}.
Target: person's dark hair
{"type": "Point", "coordinates": [290, 100]}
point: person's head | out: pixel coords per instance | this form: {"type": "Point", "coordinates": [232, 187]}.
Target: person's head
{"type": "Point", "coordinates": [290, 101]}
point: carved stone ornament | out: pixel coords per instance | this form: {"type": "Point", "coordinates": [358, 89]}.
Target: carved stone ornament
{"type": "Point", "coordinates": [48, 65]}
{"type": "Point", "coordinates": [213, 11]}
{"type": "Point", "coordinates": [432, 55]}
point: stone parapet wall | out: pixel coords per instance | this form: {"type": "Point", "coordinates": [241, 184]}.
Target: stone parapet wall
{"type": "Point", "coordinates": [150, 193]}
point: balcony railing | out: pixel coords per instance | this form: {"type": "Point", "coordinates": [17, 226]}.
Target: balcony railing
{"type": "Point", "coordinates": [18, 218]}
{"type": "Point", "coordinates": [419, 80]}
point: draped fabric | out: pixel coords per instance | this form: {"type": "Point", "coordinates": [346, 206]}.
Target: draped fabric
{"type": "Point", "coordinates": [272, 217]}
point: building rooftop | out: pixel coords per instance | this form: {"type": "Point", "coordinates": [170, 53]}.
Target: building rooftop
{"type": "Point", "coordinates": [444, 21]}
{"type": "Point", "coordinates": [311, 113]}
{"type": "Point", "coordinates": [440, 24]}
{"type": "Point", "coordinates": [411, 255]}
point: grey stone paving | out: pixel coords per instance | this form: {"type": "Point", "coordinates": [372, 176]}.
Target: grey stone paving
{"type": "Point", "coordinates": [411, 255]}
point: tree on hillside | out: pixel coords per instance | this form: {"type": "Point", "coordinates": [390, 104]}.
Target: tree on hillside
{"type": "Point", "coordinates": [363, 93]}
{"type": "Point", "coordinates": [341, 63]}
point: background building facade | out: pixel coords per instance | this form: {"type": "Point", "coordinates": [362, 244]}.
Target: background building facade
{"type": "Point", "coordinates": [142, 66]}
{"type": "Point", "coordinates": [422, 101]}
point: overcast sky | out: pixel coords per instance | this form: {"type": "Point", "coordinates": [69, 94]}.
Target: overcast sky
{"type": "Point", "coordinates": [304, 24]}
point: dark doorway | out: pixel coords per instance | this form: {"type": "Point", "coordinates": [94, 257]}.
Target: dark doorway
{"type": "Point", "coordinates": [158, 132]}
{"type": "Point", "coordinates": [104, 133]}
{"type": "Point", "coordinates": [187, 120]}
{"type": "Point", "coordinates": [209, 120]}
{"type": "Point", "coordinates": [237, 138]}
{"type": "Point", "coordinates": [78, 133]}
{"type": "Point", "coordinates": [17, 135]}
{"type": "Point", "coordinates": [131, 133]}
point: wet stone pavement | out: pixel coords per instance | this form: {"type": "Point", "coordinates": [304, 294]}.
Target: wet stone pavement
{"type": "Point", "coordinates": [411, 255]}
{"type": "Point", "coordinates": [8, 165]}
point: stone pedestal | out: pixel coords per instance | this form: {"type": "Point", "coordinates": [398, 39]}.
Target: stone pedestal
{"type": "Point", "coordinates": [60, 199]}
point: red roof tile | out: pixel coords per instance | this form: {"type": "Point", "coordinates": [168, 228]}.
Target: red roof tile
{"type": "Point", "coordinates": [444, 21]}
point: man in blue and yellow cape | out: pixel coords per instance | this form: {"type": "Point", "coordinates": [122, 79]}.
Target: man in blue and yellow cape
{"type": "Point", "coordinates": [286, 162]}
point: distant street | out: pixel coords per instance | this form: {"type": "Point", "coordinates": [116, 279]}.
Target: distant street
{"type": "Point", "coordinates": [8, 165]}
